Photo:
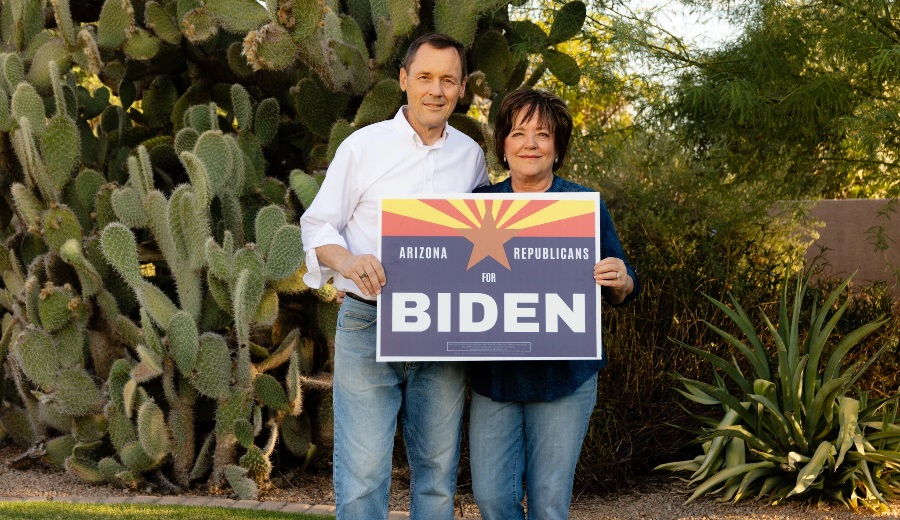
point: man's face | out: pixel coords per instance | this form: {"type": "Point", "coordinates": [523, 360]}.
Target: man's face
{"type": "Point", "coordinates": [433, 83]}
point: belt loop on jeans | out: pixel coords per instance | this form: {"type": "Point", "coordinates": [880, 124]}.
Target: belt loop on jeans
{"type": "Point", "coordinates": [373, 303]}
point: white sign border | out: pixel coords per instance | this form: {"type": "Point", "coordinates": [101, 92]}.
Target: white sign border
{"type": "Point", "coordinates": [577, 195]}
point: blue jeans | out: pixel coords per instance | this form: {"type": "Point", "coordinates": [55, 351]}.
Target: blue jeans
{"type": "Point", "coordinates": [538, 442]}
{"type": "Point", "coordinates": [368, 396]}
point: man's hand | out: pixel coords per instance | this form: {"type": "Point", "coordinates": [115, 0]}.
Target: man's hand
{"type": "Point", "coordinates": [365, 271]}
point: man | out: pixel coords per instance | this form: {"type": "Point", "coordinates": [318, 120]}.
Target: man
{"type": "Point", "coordinates": [417, 152]}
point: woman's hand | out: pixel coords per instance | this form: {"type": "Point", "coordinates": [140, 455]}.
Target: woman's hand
{"type": "Point", "coordinates": [611, 274]}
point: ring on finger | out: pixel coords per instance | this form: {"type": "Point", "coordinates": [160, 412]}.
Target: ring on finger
{"type": "Point", "coordinates": [618, 276]}
{"type": "Point", "coordinates": [363, 276]}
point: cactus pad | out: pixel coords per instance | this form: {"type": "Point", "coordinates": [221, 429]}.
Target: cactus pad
{"type": "Point", "coordinates": [212, 376]}
{"type": "Point", "coordinates": [183, 341]}
{"type": "Point", "coordinates": [153, 434]}
{"type": "Point", "coordinates": [157, 19]}
{"type": "Point", "coordinates": [116, 20]}
{"type": "Point", "coordinates": [285, 254]}
{"type": "Point", "coordinates": [268, 221]}
{"type": "Point", "coordinates": [270, 48]}
{"type": "Point", "coordinates": [77, 392]}
{"type": "Point", "coordinates": [33, 352]}
{"type": "Point", "coordinates": [270, 393]}
{"type": "Point", "coordinates": [245, 488]}
{"type": "Point", "coordinates": [238, 16]}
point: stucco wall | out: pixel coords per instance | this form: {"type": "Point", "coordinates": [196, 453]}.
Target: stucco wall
{"type": "Point", "coordinates": [849, 242]}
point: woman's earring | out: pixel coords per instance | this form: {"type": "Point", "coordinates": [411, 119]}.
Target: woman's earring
{"type": "Point", "coordinates": [504, 157]}
{"type": "Point", "coordinates": [556, 160]}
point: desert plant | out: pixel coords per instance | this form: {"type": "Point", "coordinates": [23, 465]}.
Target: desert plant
{"type": "Point", "coordinates": [153, 156]}
{"type": "Point", "coordinates": [789, 427]}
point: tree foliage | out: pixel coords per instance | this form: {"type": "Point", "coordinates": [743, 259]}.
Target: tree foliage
{"type": "Point", "coordinates": [807, 97]}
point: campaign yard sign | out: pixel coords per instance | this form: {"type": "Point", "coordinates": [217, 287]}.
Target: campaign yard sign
{"type": "Point", "coordinates": [490, 277]}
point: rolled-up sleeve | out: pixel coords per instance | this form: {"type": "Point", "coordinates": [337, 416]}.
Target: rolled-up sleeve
{"type": "Point", "coordinates": [322, 223]}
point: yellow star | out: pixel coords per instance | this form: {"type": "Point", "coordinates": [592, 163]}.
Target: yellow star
{"type": "Point", "coordinates": [487, 240]}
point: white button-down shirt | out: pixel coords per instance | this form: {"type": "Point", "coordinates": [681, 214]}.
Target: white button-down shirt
{"type": "Point", "coordinates": [385, 159]}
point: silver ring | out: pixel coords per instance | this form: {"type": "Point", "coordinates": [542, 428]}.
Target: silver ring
{"type": "Point", "coordinates": [364, 275]}
{"type": "Point", "coordinates": [618, 276]}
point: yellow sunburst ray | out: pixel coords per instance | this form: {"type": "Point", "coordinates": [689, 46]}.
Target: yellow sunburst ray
{"type": "Point", "coordinates": [556, 212]}
{"type": "Point", "coordinates": [419, 210]}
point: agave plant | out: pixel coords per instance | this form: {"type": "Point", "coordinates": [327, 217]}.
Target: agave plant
{"type": "Point", "coordinates": [789, 429]}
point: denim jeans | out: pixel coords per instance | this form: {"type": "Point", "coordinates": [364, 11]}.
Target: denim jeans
{"type": "Point", "coordinates": [368, 396]}
{"type": "Point", "coordinates": [538, 442]}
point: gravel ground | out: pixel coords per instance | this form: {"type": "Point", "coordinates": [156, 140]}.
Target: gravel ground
{"type": "Point", "coordinates": [657, 499]}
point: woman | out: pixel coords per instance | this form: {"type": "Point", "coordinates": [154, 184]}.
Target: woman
{"type": "Point", "coordinates": [529, 418]}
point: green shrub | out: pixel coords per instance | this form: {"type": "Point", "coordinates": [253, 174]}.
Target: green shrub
{"type": "Point", "coordinates": [789, 427]}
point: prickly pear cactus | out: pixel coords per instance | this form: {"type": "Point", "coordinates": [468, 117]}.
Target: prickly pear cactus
{"type": "Point", "coordinates": [155, 156]}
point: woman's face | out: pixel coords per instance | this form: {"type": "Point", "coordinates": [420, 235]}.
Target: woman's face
{"type": "Point", "coordinates": [530, 149]}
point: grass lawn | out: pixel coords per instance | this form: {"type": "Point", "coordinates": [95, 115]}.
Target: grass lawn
{"type": "Point", "coordinates": [66, 511]}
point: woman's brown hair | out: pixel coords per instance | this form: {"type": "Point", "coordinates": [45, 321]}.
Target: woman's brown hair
{"type": "Point", "coordinates": [550, 111]}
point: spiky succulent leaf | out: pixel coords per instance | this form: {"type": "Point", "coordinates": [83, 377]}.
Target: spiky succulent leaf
{"type": "Point", "coordinates": [304, 187]}
{"type": "Point", "coordinates": [563, 66]}
{"type": "Point", "coordinates": [238, 405]}
{"type": "Point", "coordinates": [159, 100]}
{"type": "Point", "coordinates": [285, 254]}
{"type": "Point", "coordinates": [158, 19]}
{"type": "Point", "coordinates": [116, 20]}
{"type": "Point", "coordinates": [77, 392]}
{"type": "Point", "coordinates": [265, 121]}
{"type": "Point", "coordinates": [257, 464]}
{"type": "Point", "coordinates": [238, 16]}
{"type": "Point", "coordinates": [339, 131]}
{"type": "Point", "coordinates": [34, 354]}
{"type": "Point", "coordinates": [296, 434]}
{"type": "Point", "coordinates": [219, 261]}
{"type": "Point", "coordinates": [242, 106]}
{"type": "Point", "coordinates": [58, 449]}
{"type": "Point", "coordinates": [185, 139]}
{"type": "Point", "coordinates": [212, 149]}
{"type": "Point", "coordinates": [270, 393]}
{"type": "Point", "coordinates": [84, 469]}
{"type": "Point", "coordinates": [120, 249]}
{"type": "Point", "coordinates": [271, 47]}
{"type": "Point", "coordinates": [141, 45]}
{"type": "Point", "coordinates": [158, 305]}
{"type": "Point", "coordinates": [183, 341]}
{"type": "Point", "coordinates": [129, 210]}
{"type": "Point", "coordinates": [121, 430]}
{"type": "Point", "coordinates": [59, 225]}
{"type": "Point", "coordinates": [311, 106]}
{"type": "Point", "coordinates": [27, 205]}
{"type": "Point", "coordinates": [268, 221]}
{"type": "Point", "coordinates": [493, 58]}
{"type": "Point", "coordinates": [153, 433]}
{"type": "Point", "coordinates": [135, 458]}
{"type": "Point", "coordinates": [213, 367]}
{"type": "Point", "coordinates": [245, 488]}
{"type": "Point", "coordinates": [567, 23]}
{"type": "Point", "coordinates": [243, 430]}
{"type": "Point", "coordinates": [53, 308]}
{"type": "Point", "coordinates": [27, 104]}
{"type": "Point", "coordinates": [41, 74]}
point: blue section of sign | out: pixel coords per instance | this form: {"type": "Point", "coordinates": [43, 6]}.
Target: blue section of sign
{"type": "Point", "coordinates": [544, 306]}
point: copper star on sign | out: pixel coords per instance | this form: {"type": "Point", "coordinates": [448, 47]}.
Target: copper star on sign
{"type": "Point", "coordinates": [487, 240]}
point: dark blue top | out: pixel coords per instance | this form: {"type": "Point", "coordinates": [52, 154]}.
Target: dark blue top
{"type": "Point", "coordinates": [547, 380]}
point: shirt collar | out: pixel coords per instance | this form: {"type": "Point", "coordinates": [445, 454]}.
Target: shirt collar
{"type": "Point", "coordinates": [403, 126]}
